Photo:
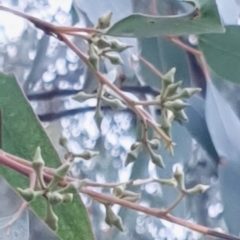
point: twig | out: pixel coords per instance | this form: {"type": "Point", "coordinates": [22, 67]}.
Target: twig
{"type": "Point", "coordinates": [195, 52]}
{"type": "Point", "coordinates": [179, 199]}
{"type": "Point", "coordinates": [151, 67]}
{"type": "Point", "coordinates": [26, 170]}
{"type": "Point", "coordinates": [185, 46]}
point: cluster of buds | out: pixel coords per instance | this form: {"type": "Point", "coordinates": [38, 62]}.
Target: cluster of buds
{"type": "Point", "coordinates": [171, 101]}
{"type": "Point", "coordinates": [49, 191]}
{"type": "Point", "coordinates": [113, 219]}
{"type": "Point", "coordinates": [150, 146]}
{"type": "Point", "coordinates": [100, 46]}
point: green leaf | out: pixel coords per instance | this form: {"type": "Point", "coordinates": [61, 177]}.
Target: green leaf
{"type": "Point", "coordinates": [222, 52]}
{"type": "Point", "coordinates": [224, 128]}
{"type": "Point", "coordinates": [22, 133]}
{"type": "Point", "coordinates": [197, 126]}
{"type": "Point", "coordinates": [203, 18]}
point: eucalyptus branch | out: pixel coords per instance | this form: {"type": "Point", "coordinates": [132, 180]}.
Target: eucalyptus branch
{"type": "Point", "coordinates": [127, 100]}
{"type": "Point", "coordinates": [14, 162]}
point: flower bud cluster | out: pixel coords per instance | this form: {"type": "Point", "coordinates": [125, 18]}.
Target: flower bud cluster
{"type": "Point", "coordinates": [49, 191]}
{"type": "Point", "coordinates": [171, 101]}
{"type": "Point", "coordinates": [100, 46]}
{"type": "Point", "coordinates": [150, 146]}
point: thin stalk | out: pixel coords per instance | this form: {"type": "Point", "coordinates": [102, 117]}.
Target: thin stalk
{"type": "Point", "coordinates": [24, 169]}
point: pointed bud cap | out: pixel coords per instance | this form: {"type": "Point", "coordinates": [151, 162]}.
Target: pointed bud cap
{"type": "Point", "coordinates": [54, 198]}
{"type": "Point", "coordinates": [168, 182]}
{"type": "Point", "coordinates": [63, 142]}
{"type": "Point", "coordinates": [189, 92]}
{"type": "Point", "coordinates": [132, 155]}
{"type": "Point", "coordinates": [51, 218]}
{"type": "Point", "coordinates": [112, 219]}
{"type": "Point", "coordinates": [27, 194]}
{"type": "Point", "coordinates": [115, 104]}
{"type": "Point", "coordinates": [104, 21]}
{"type": "Point", "coordinates": [117, 191]}
{"type": "Point", "coordinates": [172, 89]}
{"type": "Point", "coordinates": [157, 159]}
{"type": "Point", "coordinates": [155, 144]}
{"type": "Point", "coordinates": [200, 188]}
{"type": "Point", "coordinates": [82, 96]}
{"type": "Point", "coordinates": [62, 171]}
{"type": "Point", "coordinates": [175, 105]}
{"type": "Point", "coordinates": [168, 77]}
{"type": "Point", "coordinates": [180, 115]}
{"type": "Point", "coordinates": [98, 117]}
{"type": "Point", "coordinates": [37, 159]}
{"type": "Point", "coordinates": [67, 198]}
{"type": "Point", "coordinates": [179, 176]}
{"type": "Point", "coordinates": [135, 145]}
{"type": "Point", "coordinates": [118, 46]}
{"type": "Point", "coordinates": [102, 42]}
{"type": "Point", "coordinates": [87, 154]}
{"type": "Point", "coordinates": [114, 58]}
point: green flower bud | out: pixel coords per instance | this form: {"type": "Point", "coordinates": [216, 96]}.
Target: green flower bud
{"type": "Point", "coordinates": [165, 122]}
{"type": "Point", "coordinates": [188, 92]}
{"type": "Point", "coordinates": [37, 159]}
{"type": "Point", "coordinates": [104, 21]}
{"type": "Point", "coordinates": [175, 105]}
{"type": "Point", "coordinates": [27, 194]}
{"type": "Point", "coordinates": [180, 115]}
{"type": "Point", "coordinates": [168, 78]}
{"type": "Point", "coordinates": [54, 198]}
{"type": "Point", "coordinates": [63, 142]}
{"type": "Point", "coordinates": [62, 171]}
{"type": "Point", "coordinates": [67, 198]}
{"type": "Point", "coordinates": [154, 143]}
{"type": "Point", "coordinates": [51, 218]}
{"type": "Point", "coordinates": [118, 46]}
{"type": "Point", "coordinates": [59, 175]}
{"type": "Point", "coordinates": [112, 219]}
{"type": "Point", "coordinates": [135, 145]}
{"type": "Point", "coordinates": [117, 191]}
{"type": "Point", "coordinates": [98, 116]}
{"type": "Point", "coordinates": [132, 155]}
{"type": "Point", "coordinates": [93, 57]}
{"type": "Point", "coordinates": [37, 165]}
{"type": "Point", "coordinates": [179, 176]}
{"type": "Point", "coordinates": [171, 89]}
{"type": "Point", "coordinates": [126, 193]}
{"type": "Point", "coordinates": [168, 182]}
{"type": "Point", "coordinates": [115, 104]}
{"type": "Point", "coordinates": [156, 159]}
{"type": "Point", "coordinates": [87, 154]}
{"type": "Point", "coordinates": [82, 96]}
{"type": "Point", "coordinates": [114, 58]}
{"type": "Point", "coordinates": [200, 188]}
{"type": "Point", "coordinates": [132, 199]}
{"type": "Point", "coordinates": [101, 42]}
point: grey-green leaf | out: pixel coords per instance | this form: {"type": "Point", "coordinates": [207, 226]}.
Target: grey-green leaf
{"type": "Point", "coordinates": [222, 52]}
{"type": "Point", "coordinates": [203, 20]}
{"type": "Point", "coordinates": [22, 133]}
